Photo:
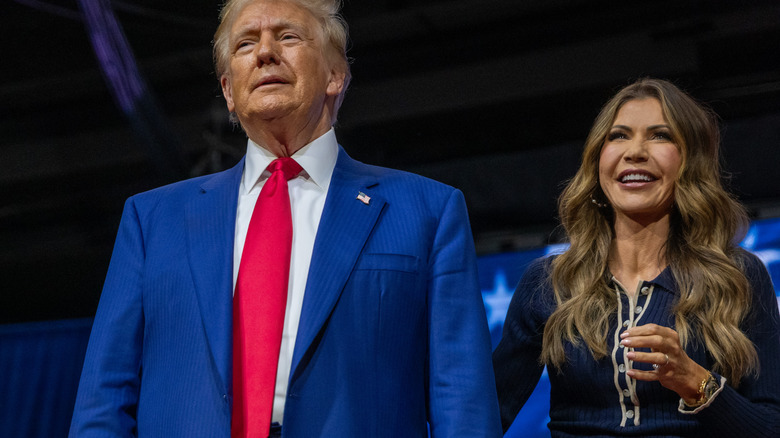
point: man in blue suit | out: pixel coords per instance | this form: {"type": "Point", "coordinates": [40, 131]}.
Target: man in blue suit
{"type": "Point", "coordinates": [384, 331]}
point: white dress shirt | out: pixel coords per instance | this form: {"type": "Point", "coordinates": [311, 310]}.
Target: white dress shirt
{"type": "Point", "coordinates": [307, 198]}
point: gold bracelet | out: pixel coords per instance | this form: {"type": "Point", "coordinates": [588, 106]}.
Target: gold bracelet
{"type": "Point", "coordinates": [705, 391]}
{"type": "Point", "coordinates": [703, 384]}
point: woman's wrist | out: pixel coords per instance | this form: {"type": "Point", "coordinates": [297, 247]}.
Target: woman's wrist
{"type": "Point", "coordinates": [705, 387]}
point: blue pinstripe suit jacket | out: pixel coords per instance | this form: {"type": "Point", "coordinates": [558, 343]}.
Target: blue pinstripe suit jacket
{"type": "Point", "coordinates": [392, 334]}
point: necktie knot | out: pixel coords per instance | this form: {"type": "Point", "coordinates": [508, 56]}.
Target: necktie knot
{"type": "Point", "coordinates": [289, 167]}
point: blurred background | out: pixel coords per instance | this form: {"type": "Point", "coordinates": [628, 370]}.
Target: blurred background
{"type": "Point", "coordinates": [101, 99]}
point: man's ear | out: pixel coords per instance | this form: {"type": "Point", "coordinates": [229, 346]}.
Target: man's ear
{"type": "Point", "coordinates": [227, 91]}
{"type": "Point", "coordinates": [338, 75]}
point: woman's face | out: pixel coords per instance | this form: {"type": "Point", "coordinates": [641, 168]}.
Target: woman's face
{"type": "Point", "coordinates": [639, 162]}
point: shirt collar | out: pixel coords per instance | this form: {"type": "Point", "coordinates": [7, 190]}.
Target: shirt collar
{"type": "Point", "coordinates": [666, 280]}
{"type": "Point", "coordinates": [318, 159]}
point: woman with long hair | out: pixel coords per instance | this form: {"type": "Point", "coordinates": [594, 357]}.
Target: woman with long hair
{"type": "Point", "coordinates": [654, 322]}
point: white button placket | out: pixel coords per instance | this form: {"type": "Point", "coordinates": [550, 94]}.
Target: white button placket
{"type": "Point", "coordinates": [628, 316]}
{"type": "Point", "coordinates": [623, 384]}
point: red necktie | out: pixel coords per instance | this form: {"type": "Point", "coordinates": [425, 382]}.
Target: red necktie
{"type": "Point", "coordinates": [259, 303]}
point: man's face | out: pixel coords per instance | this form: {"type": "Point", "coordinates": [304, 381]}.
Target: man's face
{"type": "Point", "coordinates": [278, 67]}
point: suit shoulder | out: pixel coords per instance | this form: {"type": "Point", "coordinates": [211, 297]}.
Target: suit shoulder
{"type": "Point", "coordinates": [394, 178]}
{"type": "Point", "coordinates": [174, 187]}
{"type": "Point", "coordinates": [194, 184]}
{"type": "Point", "coordinates": [167, 194]}
{"type": "Point", "coordinates": [181, 191]}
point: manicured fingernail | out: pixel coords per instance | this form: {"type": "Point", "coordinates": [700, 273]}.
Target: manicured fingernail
{"type": "Point", "coordinates": [625, 341]}
{"type": "Point", "coordinates": [624, 334]}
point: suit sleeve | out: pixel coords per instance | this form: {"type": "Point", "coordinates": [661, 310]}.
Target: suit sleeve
{"type": "Point", "coordinates": [461, 392]}
{"type": "Point", "coordinates": [108, 390]}
{"type": "Point", "coordinates": [753, 408]}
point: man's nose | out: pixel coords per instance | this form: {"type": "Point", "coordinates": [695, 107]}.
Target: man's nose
{"type": "Point", "coordinates": [267, 50]}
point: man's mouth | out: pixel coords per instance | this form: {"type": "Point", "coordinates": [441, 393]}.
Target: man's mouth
{"type": "Point", "coordinates": [271, 80]}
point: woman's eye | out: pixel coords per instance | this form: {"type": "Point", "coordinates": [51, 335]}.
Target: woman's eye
{"type": "Point", "coordinates": [665, 136]}
{"type": "Point", "coordinates": [616, 135]}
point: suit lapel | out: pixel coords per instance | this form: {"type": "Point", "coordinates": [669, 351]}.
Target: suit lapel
{"type": "Point", "coordinates": [210, 223]}
{"type": "Point", "coordinates": [343, 231]}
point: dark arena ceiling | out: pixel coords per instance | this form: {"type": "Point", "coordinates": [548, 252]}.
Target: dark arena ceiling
{"type": "Point", "coordinates": [494, 97]}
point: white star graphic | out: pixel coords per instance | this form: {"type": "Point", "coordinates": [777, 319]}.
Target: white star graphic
{"type": "Point", "coordinates": [497, 300]}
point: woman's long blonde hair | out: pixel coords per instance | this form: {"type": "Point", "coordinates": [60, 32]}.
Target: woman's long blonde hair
{"type": "Point", "coordinates": [706, 222]}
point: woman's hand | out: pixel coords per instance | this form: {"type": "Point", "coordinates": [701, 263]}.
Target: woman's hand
{"type": "Point", "coordinates": [674, 370]}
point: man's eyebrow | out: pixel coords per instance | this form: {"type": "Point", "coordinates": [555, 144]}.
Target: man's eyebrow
{"type": "Point", "coordinates": [289, 24]}
{"type": "Point", "coordinates": [277, 25]}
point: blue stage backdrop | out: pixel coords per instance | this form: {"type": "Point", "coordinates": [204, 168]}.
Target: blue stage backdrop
{"type": "Point", "coordinates": [40, 362]}
{"type": "Point", "coordinates": [499, 273]}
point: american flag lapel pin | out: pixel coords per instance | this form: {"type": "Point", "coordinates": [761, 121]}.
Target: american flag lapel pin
{"type": "Point", "coordinates": [362, 197]}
